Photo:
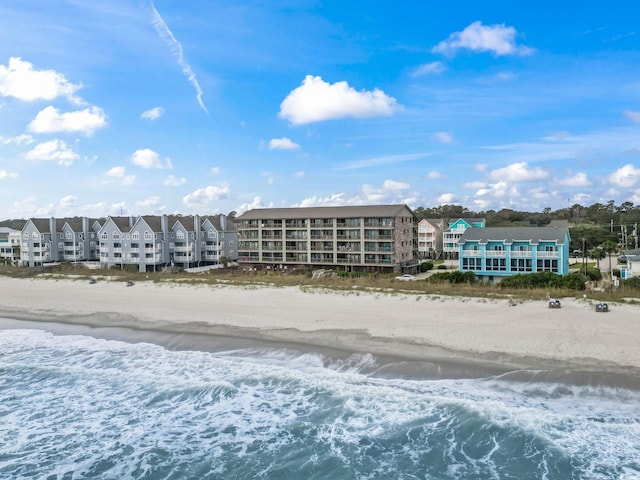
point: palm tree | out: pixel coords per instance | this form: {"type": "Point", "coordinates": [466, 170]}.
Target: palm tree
{"type": "Point", "coordinates": [609, 247]}
{"type": "Point", "coordinates": [597, 254]}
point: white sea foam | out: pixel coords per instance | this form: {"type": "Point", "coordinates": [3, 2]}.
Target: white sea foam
{"type": "Point", "coordinates": [78, 404]}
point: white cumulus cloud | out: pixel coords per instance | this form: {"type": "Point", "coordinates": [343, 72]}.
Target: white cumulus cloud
{"type": "Point", "coordinates": [147, 158]}
{"type": "Point", "coordinates": [518, 172]}
{"type": "Point", "coordinates": [117, 172]}
{"type": "Point", "coordinates": [394, 186]}
{"type": "Point", "coordinates": [68, 201]}
{"type": "Point", "coordinates": [20, 80]}
{"type": "Point", "coordinates": [53, 150]}
{"type": "Point", "coordinates": [153, 114]}
{"type": "Point", "coordinates": [498, 39]}
{"type": "Point", "coordinates": [282, 144]}
{"type": "Point", "coordinates": [316, 100]}
{"type": "Point", "coordinates": [50, 120]}
{"type": "Point", "coordinates": [626, 176]}
{"type": "Point", "coordinates": [446, 199]}
{"type": "Point", "coordinates": [203, 196]}
{"type": "Point", "coordinates": [120, 173]}
{"type": "Point", "coordinates": [580, 179]}
{"type": "Point", "coordinates": [173, 181]}
{"type": "Point", "coordinates": [435, 175]}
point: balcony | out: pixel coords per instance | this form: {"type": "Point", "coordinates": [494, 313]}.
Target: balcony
{"type": "Point", "coordinates": [496, 254]}
{"type": "Point", "coordinates": [547, 254]}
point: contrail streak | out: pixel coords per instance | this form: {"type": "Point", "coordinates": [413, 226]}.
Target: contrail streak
{"type": "Point", "coordinates": [176, 49]}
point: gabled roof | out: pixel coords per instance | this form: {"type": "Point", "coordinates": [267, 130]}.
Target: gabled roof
{"type": "Point", "coordinates": [516, 234]}
{"type": "Point", "coordinates": [214, 220]}
{"type": "Point", "coordinates": [327, 212]}
{"type": "Point", "coordinates": [467, 220]}
{"type": "Point", "coordinates": [42, 224]}
{"type": "Point", "coordinates": [154, 222]}
{"type": "Point", "coordinates": [122, 223]}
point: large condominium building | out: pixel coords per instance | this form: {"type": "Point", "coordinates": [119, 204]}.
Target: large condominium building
{"type": "Point", "coordinates": [359, 238]}
{"type": "Point", "coordinates": [498, 252]}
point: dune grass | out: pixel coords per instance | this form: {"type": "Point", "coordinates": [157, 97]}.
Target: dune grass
{"type": "Point", "coordinates": [382, 283]}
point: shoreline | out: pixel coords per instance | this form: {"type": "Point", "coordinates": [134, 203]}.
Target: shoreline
{"type": "Point", "coordinates": [444, 337]}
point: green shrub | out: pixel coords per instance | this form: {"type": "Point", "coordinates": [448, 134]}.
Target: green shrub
{"type": "Point", "coordinates": [543, 280]}
{"type": "Point", "coordinates": [594, 274]}
{"type": "Point", "coordinates": [426, 266]}
{"type": "Point", "coordinates": [455, 277]}
{"type": "Point", "coordinates": [632, 283]}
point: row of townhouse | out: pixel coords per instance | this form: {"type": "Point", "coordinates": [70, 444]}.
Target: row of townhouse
{"type": "Point", "coordinates": [497, 252]}
{"type": "Point", "coordinates": [434, 240]}
{"type": "Point", "coordinates": [146, 241]}
{"type": "Point", "coordinates": [353, 238]}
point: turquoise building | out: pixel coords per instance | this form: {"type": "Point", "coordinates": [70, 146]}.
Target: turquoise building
{"type": "Point", "coordinates": [492, 253]}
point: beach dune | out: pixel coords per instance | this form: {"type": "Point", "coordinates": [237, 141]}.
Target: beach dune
{"type": "Point", "coordinates": [527, 335]}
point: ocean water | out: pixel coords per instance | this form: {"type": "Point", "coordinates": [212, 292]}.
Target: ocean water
{"type": "Point", "coordinates": [77, 407]}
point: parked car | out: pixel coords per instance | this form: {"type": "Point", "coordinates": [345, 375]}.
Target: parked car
{"type": "Point", "coordinates": [406, 277]}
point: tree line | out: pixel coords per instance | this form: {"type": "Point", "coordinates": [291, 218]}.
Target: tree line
{"type": "Point", "coordinates": [590, 227]}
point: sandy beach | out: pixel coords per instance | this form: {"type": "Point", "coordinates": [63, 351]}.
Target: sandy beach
{"type": "Point", "coordinates": [486, 332]}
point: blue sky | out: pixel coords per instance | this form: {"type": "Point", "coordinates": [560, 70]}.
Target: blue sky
{"type": "Point", "coordinates": [139, 107]}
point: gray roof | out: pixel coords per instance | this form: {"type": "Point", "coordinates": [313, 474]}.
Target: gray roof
{"type": "Point", "coordinates": [327, 212]}
{"type": "Point", "coordinates": [42, 224]}
{"type": "Point", "coordinates": [515, 234]}
{"type": "Point", "coordinates": [632, 253]}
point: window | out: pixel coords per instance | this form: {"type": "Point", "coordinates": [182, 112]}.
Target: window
{"type": "Point", "coordinates": [472, 263]}
{"type": "Point", "coordinates": [547, 265]}
{"type": "Point", "coordinates": [25, 235]}
{"type": "Point", "coordinates": [104, 236]}
{"type": "Point", "coordinates": [211, 234]}
{"type": "Point", "coordinates": [135, 236]}
{"type": "Point", "coordinates": [68, 235]}
{"type": "Point", "coordinates": [147, 235]}
{"type": "Point", "coordinates": [180, 235]}
{"type": "Point", "coordinates": [231, 244]}
{"type": "Point", "coordinates": [521, 265]}
{"type": "Point", "coordinates": [496, 264]}
{"type": "Point", "coordinates": [34, 236]}
{"type": "Point", "coordinates": [115, 235]}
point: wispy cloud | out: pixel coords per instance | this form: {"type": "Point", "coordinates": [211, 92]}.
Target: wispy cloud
{"type": "Point", "coordinates": [176, 49]}
{"type": "Point", "coordinates": [153, 114]}
{"type": "Point", "coordinates": [432, 68]}
{"type": "Point", "coordinates": [380, 161]}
